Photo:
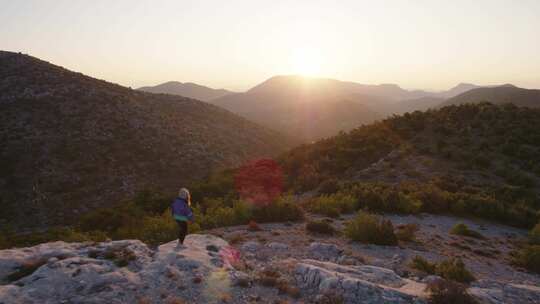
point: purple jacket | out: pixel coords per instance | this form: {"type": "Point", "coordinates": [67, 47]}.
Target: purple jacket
{"type": "Point", "coordinates": [181, 210]}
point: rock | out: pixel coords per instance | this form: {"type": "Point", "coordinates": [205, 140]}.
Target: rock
{"type": "Point", "coordinates": [277, 246]}
{"type": "Point", "coordinates": [251, 246]}
{"type": "Point", "coordinates": [358, 284]}
{"type": "Point", "coordinates": [322, 251]}
{"type": "Point", "coordinates": [431, 279]}
{"type": "Point", "coordinates": [97, 273]}
{"type": "Point", "coordinates": [240, 278]}
{"type": "Point", "coordinates": [493, 292]}
{"type": "Point", "coordinates": [346, 260]}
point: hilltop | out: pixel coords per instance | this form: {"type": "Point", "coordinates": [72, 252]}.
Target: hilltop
{"type": "Point", "coordinates": [499, 95]}
{"type": "Point", "coordinates": [72, 143]}
{"type": "Point", "coordinates": [187, 89]}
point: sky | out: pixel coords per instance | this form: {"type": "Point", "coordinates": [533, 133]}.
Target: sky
{"type": "Point", "coordinates": [236, 44]}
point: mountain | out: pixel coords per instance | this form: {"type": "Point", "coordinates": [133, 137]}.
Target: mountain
{"type": "Point", "coordinates": [499, 95]}
{"type": "Point", "coordinates": [72, 143]}
{"type": "Point", "coordinates": [459, 89]}
{"type": "Point", "coordinates": [187, 89]}
{"type": "Point", "coordinates": [313, 108]}
{"type": "Point", "coordinates": [322, 103]}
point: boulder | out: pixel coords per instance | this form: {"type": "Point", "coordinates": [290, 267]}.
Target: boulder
{"type": "Point", "coordinates": [322, 251]}
{"type": "Point", "coordinates": [358, 284]}
{"type": "Point", "coordinates": [251, 246]}
{"type": "Point", "coordinates": [117, 272]}
{"type": "Point", "coordinates": [493, 292]}
{"type": "Point", "coordinates": [277, 246]}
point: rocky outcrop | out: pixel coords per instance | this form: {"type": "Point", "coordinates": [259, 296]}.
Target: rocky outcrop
{"type": "Point", "coordinates": [208, 270]}
{"type": "Point", "coordinates": [358, 284]}
{"type": "Point", "coordinates": [493, 292]}
{"type": "Point", "coordinates": [322, 251]}
{"type": "Point", "coordinates": [118, 272]}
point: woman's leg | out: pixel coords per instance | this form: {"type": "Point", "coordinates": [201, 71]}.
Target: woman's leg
{"type": "Point", "coordinates": [182, 231]}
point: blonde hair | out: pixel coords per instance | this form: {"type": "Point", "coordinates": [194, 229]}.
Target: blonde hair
{"type": "Point", "coordinates": [184, 194]}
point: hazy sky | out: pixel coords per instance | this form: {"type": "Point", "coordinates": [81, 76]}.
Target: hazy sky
{"type": "Point", "coordinates": [236, 44]}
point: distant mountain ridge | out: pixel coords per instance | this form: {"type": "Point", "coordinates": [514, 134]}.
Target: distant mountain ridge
{"type": "Point", "coordinates": [498, 95]}
{"type": "Point", "coordinates": [72, 143]}
{"type": "Point", "coordinates": [289, 103]}
{"type": "Point", "coordinates": [313, 108]}
{"type": "Point", "coordinates": [188, 89]}
{"type": "Point", "coordinates": [304, 107]}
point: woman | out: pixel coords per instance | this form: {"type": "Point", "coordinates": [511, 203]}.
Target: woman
{"type": "Point", "coordinates": [182, 214]}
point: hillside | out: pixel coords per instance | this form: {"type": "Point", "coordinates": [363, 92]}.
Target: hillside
{"type": "Point", "coordinates": [188, 89]}
{"type": "Point", "coordinates": [71, 143]}
{"type": "Point", "coordinates": [499, 95]}
{"type": "Point", "coordinates": [478, 160]}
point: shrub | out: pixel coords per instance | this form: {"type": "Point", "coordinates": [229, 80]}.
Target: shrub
{"type": "Point", "coordinates": [333, 205]}
{"type": "Point", "coordinates": [282, 210]}
{"type": "Point", "coordinates": [407, 232]}
{"type": "Point", "coordinates": [448, 292]}
{"type": "Point", "coordinates": [4, 243]}
{"type": "Point", "coordinates": [368, 228]}
{"type": "Point", "coordinates": [534, 235]}
{"type": "Point", "coordinates": [529, 258]}
{"type": "Point", "coordinates": [322, 227]}
{"type": "Point", "coordinates": [421, 264]}
{"type": "Point", "coordinates": [454, 269]}
{"type": "Point", "coordinates": [155, 230]}
{"type": "Point", "coordinates": [221, 216]}
{"type": "Point", "coordinates": [329, 186]}
{"type": "Point", "coordinates": [152, 201]}
{"type": "Point", "coordinates": [462, 229]}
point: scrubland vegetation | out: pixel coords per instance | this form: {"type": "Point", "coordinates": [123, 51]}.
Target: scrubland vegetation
{"type": "Point", "coordinates": [368, 228]}
{"type": "Point", "coordinates": [489, 152]}
{"type": "Point", "coordinates": [451, 269]}
{"type": "Point", "coordinates": [322, 227]}
{"type": "Point", "coordinates": [463, 230]}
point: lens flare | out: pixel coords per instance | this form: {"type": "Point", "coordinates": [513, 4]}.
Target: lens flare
{"type": "Point", "coordinates": [259, 182]}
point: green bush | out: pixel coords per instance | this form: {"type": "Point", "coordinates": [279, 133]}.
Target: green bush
{"type": "Point", "coordinates": [155, 230]}
{"type": "Point", "coordinates": [322, 227]}
{"type": "Point", "coordinates": [454, 269]}
{"type": "Point", "coordinates": [152, 201]}
{"type": "Point", "coordinates": [448, 292]}
{"type": "Point", "coordinates": [421, 264]}
{"type": "Point", "coordinates": [368, 228]}
{"type": "Point", "coordinates": [407, 232]}
{"type": "Point", "coordinates": [333, 205]}
{"type": "Point", "coordinates": [462, 229]}
{"type": "Point", "coordinates": [282, 210]}
{"type": "Point", "coordinates": [529, 258]}
{"type": "Point", "coordinates": [534, 235]}
{"type": "Point", "coordinates": [65, 234]}
{"type": "Point", "coordinates": [329, 186]}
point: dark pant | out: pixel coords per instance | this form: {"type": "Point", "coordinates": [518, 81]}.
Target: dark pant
{"type": "Point", "coordinates": [182, 231]}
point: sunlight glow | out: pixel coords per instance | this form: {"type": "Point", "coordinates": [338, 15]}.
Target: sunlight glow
{"type": "Point", "coordinates": [306, 62]}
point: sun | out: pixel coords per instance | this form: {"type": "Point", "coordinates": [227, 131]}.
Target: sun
{"type": "Point", "coordinates": [306, 62]}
